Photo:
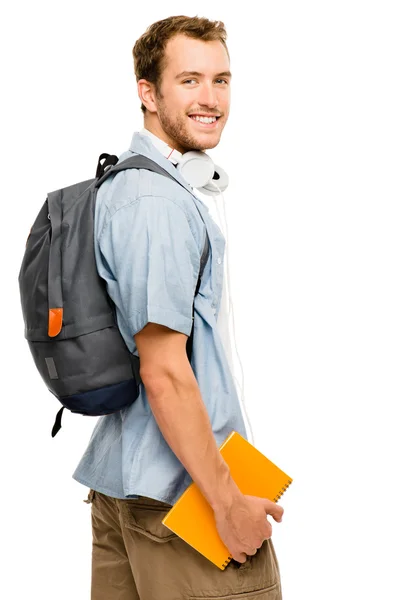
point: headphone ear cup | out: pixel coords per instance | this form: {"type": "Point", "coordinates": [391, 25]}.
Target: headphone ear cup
{"type": "Point", "coordinates": [196, 167]}
{"type": "Point", "coordinates": [220, 177]}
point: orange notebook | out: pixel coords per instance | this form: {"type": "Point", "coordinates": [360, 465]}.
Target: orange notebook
{"type": "Point", "coordinates": [192, 518]}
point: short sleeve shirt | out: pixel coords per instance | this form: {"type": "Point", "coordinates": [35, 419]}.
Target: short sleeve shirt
{"type": "Point", "coordinates": [149, 237]}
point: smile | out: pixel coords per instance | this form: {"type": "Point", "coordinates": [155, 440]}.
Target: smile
{"type": "Point", "coordinates": [207, 122]}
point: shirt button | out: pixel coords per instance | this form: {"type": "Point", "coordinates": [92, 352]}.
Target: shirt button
{"type": "Point", "coordinates": [219, 261]}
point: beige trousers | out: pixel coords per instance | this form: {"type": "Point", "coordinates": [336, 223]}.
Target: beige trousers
{"type": "Point", "coordinates": [135, 557]}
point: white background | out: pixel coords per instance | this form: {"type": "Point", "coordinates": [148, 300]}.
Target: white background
{"type": "Point", "coordinates": [312, 149]}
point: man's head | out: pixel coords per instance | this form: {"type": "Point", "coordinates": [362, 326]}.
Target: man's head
{"type": "Point", "coordinates": [182, 70]}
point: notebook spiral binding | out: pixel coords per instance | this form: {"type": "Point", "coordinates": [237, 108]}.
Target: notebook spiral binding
{"type": "Point", "coordinates": [226, 563]}
{"type": "Point", "coordinates": [283, 490]}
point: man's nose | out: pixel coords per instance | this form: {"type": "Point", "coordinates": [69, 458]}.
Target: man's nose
{"type": "Point", "coordinates": [208, 95]}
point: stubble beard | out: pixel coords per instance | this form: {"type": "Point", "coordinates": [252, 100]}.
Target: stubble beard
{"type": "Point", "coordinates": [176, 128]}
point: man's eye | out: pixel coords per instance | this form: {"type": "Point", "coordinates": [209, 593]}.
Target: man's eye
{"type": "Point", "coordinates": [224, 80]}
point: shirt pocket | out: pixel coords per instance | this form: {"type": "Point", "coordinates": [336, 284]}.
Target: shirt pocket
{"type": "Point", "coordinates": [147, 520]}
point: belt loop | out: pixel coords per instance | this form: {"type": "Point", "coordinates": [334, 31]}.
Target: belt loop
{"type": "Point", "coordinates": [90, 497]}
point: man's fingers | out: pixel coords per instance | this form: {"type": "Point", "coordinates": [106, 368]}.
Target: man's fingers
{"type": "Point", "coordinates": [275, 511]}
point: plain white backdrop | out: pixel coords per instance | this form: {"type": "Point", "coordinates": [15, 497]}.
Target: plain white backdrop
{"type": "Point", "coordinates": [312, 150]}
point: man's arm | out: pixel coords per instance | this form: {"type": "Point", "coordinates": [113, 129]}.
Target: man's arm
{"type": "Point", "coordinates": [181, 415]}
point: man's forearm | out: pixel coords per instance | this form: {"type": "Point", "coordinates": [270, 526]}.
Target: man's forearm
{"type": "Point", "coordinates": [183, 420]}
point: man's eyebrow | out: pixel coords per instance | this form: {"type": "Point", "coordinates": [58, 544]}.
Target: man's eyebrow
{"type": "Point", "coordinates": [197, 74]}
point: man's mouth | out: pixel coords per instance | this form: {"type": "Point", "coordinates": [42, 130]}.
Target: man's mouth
{"type": "Point", "coordinates": [207, 121]}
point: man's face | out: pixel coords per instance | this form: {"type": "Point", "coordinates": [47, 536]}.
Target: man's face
{"type": "Point", "coordinates": [195, 81]}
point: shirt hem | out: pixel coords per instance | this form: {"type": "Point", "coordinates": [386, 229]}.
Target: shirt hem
{"type": "Point", "coordinates": [98, 488]}
{"type": "Point", "coordinates": [110, 493]}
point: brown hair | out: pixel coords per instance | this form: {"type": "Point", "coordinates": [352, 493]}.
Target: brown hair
{"type": "Point", "coordinates": [149, 50]}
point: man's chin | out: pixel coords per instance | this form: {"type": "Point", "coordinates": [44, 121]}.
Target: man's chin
{"type": "Point", "coordinates": [189, 140]}
{"type": "Point", "coordinates": [204, 144]}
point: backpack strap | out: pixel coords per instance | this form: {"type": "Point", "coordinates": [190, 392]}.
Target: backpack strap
{"type": "Point", "coordinates": [111, 165]}
{"type": "Point", "coordinates": [203, 261]}
{"type": "Point", "coordinates": [133, 162]}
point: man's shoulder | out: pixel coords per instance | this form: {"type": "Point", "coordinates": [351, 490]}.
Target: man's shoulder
{"type": "Point", "coordinates": [128, 186]}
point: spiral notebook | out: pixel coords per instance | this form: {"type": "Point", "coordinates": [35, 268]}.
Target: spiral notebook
{"type": "Point", "coordinates": [192, 518]}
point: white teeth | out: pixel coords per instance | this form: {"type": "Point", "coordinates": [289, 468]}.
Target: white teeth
{"type": "Point", "coordinates": [205, 119]}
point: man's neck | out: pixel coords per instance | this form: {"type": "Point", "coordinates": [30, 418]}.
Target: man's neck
{"type": "Point", "coordinates": [158, 131]}
{"type": "Point", "coordinates": [163, 146]}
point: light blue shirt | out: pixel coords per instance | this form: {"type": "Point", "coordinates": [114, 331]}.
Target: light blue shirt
{"type": "Point", "coordinates": [149, 237]}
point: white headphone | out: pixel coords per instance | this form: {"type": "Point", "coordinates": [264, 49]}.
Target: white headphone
{"type": "Point", "coordinates": [195, 166]}
{"type": "Point", "coordinates": [199, 170]}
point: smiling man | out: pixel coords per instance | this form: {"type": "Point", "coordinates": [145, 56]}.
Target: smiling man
{"type": "Point", "coordinates": [189, 109]}
{"type": "Point", "coordinates": [150, 234]}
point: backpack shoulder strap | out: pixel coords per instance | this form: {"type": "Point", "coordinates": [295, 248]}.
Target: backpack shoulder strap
{"type": "Point", "coordinates": [111, 165]}
{"type": "Point", "coordinates": [133, 162]}
{"type": "Point", "coordinates": [203, 261]}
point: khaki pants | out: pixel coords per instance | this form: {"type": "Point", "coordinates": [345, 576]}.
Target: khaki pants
{"type": "Point", "coordinates": [135, 557]}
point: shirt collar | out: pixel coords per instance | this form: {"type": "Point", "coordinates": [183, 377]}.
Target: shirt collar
{"type": "Point", "coordinates": [145, 144]}
{"type": "Point", "coordinates": [167, 151]}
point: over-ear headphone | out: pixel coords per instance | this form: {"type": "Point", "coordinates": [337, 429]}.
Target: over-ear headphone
{"type": "Point", "coordinates": [195, 166]}
{"type": "Point", "coordinates": [201, 173]}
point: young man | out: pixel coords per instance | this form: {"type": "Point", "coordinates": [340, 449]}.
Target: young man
{"type": "Point", "coordinates": [150, 233]}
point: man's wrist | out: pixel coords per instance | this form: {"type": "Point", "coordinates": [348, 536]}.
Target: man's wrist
{"type": "Point", "coordinates": [227, 494]}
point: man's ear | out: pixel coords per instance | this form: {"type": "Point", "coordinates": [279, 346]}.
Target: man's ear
{"type": "Point", "coordinates": [147, 94]}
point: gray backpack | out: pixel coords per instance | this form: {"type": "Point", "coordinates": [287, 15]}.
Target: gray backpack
{"type": "Point", "coordinates": [70, 320]}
